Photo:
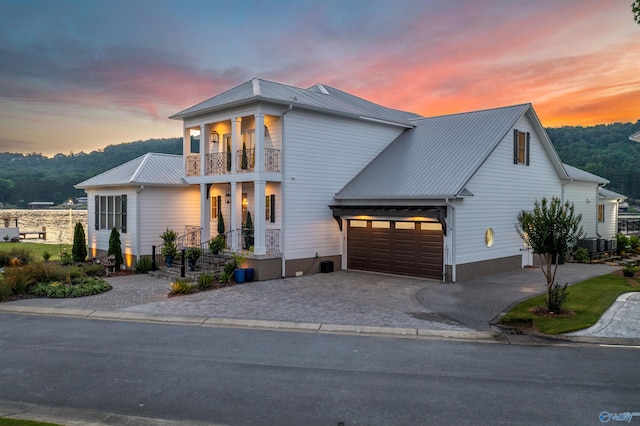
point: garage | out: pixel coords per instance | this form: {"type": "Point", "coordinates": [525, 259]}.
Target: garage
{"type": "Point", "coordinates": [395, 247]}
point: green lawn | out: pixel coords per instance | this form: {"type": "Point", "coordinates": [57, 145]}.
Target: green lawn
{"type": "Point", "coordinates": [37, 249]}
{"type": "Point", "coordinates": [17, 422]}
{"type": "Point", "coordinates": [587, 300]}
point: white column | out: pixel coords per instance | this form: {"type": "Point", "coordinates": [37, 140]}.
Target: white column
{"type": "Point", "coordinates": [186, 139]}
{"type": "Point", "coordinates": [236, 141]}
{"type": "Point", "coordinates": [205, 213]}
{"type": "Point", "coordinates": [259, 148]}
{"type": "Point", "coordinates": [204, 148]}
{"type": "Point", "coordinates": [236, 216]}
{"type": "Point", "coordinates": [260, 218]}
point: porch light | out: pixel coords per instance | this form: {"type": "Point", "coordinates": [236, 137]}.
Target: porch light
{"type": "Point", "coordinates": [214, 137]}
{"type": "Point", "coordinates": [244, 201]}
{"type": "Point", "coordinates": [227, 196]}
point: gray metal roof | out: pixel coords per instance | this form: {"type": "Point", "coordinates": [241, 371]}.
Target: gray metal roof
{"type": "Point", "coordinates": [607, 193]}
{"type": "Point", "coordinates": [151, 169]}
{"type": "Point", "coordinates": [635, 137]}
{"type": "Point", "coordinates": [437, 158]}
{"type": "Point", "coordinates": [318, 98]}
{"type": "Point", "coordinates": [578, 174]}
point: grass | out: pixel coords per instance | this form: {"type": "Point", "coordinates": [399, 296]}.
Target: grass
{"type": "Point", "coordinates": [587, 300]}
{"type": "Point", "coordinates": [37, 249]}
{"type": "Point", "coordinates": [17, 422]}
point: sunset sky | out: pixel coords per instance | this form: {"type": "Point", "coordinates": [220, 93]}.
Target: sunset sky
{"type": "Point", "coordinates": [78, 75]}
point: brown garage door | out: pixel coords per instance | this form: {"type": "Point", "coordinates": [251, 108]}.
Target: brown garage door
{"type": "Point", "coordinates": [395, 247]}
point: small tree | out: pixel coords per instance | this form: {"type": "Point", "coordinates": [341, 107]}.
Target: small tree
{"type": "Point", "coordinates": [220, 223]}
{"type": "Point", "coordinates": [245, 162]}
{"type": "Point", "coordinates": [115, 247]}
{"type": "Point", "coordinates": [79, 250]}
{"type": "Point", "coordinates": [551, 230]}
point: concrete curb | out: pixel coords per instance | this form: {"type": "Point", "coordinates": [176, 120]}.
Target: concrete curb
{"type": "Point", "coordinates": [253, 324]}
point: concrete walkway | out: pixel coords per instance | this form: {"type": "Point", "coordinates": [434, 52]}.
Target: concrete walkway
{"type": "Point", "coordinates": [344, 301]}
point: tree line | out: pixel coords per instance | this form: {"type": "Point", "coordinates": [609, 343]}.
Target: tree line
{"type": "Point", "coordinates": [604, 150]}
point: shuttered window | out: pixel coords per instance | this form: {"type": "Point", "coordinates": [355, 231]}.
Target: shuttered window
{"type": "Point", "coordinates": [111, 212]}
{"type": "Point", "coordinates": [270, 208]}
{"type": "Point", "coordinates": [521, 142]}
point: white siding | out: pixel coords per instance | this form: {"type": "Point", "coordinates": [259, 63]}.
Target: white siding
{"type": "Point", "coordinates": [99, 239]}
{"type": "Point", "coordinates": [162, 208]}
{"type": "Point", "coordinates": [578, 193]}
{"type": "Point", "coordinates": [321, 154]}
{"type": "Point", "coordinates": [501, 190]}
{"type": "Point", "coordinates": [609, 227]}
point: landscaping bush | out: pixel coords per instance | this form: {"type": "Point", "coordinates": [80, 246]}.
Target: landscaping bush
{"type": "Point", "coordinates": [84, 286]}
{"type": "Point", "coordinates": [557, 296]}
{"type": "Point", "coordinates": [581, 255]}
{"type": "Point", "coordinates": [93, 270]}
{"type": "Point", "coordinates": [182, 287]}
{"type": "Point", "coordinates": [115, 247]}
{"type": "Point", "coordinates": [22, 254]}
{"type": "Point", "coordinates": [66, 258]}
{"type": "Point", "coordinates": [79, 250]}
{"type": "Point", "coordinates": [5, 289]}
{"type": "Point", "coordinates": [46, 256]}
{"type": "Point", "coordinates": [205, 281]}
{"type": "Point", "coordinates": [143, 265]}
{"type": "Point", "coordinates": [634, 242]}
{"type": "Point", "coordinates": [622, 242]}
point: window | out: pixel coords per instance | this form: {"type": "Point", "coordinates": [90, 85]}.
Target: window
{"type": "Point", "coordinates": [111, 212]}
{"type": "Point", "coordinates": [521, 147]}
{"type": "Point", "coordinates": [270, 208]}
{"type": "Point", "coordinates": [215, 207]}
{"type": "Point", "coordinates": [600, 212]}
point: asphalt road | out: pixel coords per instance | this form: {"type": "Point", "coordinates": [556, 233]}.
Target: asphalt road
{"type": "Point", "coordinates": [249, 377]}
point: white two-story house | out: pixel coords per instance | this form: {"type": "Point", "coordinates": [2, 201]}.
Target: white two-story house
{"type": "Point", "coordinates": [327, 176]}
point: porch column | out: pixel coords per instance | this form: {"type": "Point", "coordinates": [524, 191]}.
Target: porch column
{"type": "Point", "coordinates": [259, 191]}
{"type": "Point", "coordinates": [186, 141]}
{"type": "Point", "coordinates": [205, 212]}
{"type": "Point", "coordinates": [236, 141]}
{"type": "Point", "coordinates": [204, 148]}
{"type": "Point", "coordinates": [236, 216]}
{"type": "Point", "coordinates": [259, 148]}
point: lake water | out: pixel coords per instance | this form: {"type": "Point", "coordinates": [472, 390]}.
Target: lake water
{"type": "Point", "coordinates": [59, 223]}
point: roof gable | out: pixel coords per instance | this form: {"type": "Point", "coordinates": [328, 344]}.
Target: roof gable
{"type": "Point", "coordinates": [317, 98]}
{"type": "Point", "coordinates": [440, 155]}
{"type": "Point", "coordinates": [150, 169]}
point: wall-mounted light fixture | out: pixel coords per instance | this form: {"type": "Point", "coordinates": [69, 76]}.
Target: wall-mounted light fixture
{"type": "Point", "coordinates": [214, 137]}
{"type": "Point", "coordinates": [245, 202]}
{"type": "Point", "coordinates": [227, 196]}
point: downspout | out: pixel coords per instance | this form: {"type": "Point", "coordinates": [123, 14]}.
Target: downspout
{"type": "Point", "coordinates": [453, 243]}
{"type": "Point", "coordinates": [138, 221]}
{"type": "Point", "coordinates": [282, 196]}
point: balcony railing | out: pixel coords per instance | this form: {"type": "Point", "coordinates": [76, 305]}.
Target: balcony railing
{"type": "Point", "coordinates": [219, 163]}
{"type": "Point", "coordinates": [193, 165]}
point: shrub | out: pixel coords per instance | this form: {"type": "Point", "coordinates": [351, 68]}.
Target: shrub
{"type": "Point", "coordinates": [557, 296]}
{"type": "Point", "coordinates": [217, 244]}
{"type": "Point", "coordinates": [226, 276]}
{"type": "Point", "coordinates": [46, 256]}
{"type": "Point", "coordinates": [181, 287]}
{"type": "Point", "coordinates": [5, 289]}
{"type": "Point", "coordinates": [16, 280]}
{"type": "Point", "coordinates": [85, 286]}
{"type": "Point", "coordinates": [205, 281]}
{"type": "Point", "coordinates": [115, 247]}
{"type": "Point", "coordinates": [581, 255]}
{"type": "Point", "coordinates": [79, 250]}
{"type": "Point", "coordinates": [143, 265]}
{"type": "Point", "coordinates": [93, 270]}
{"type": "Point", "coordinates": [634, 242]}
{"type": "Point", "coordinates": [22, 254]}
{"type": "Point", "coordinates": [66, 258]}
{"type": "Point", "coordinates": [622, 242]}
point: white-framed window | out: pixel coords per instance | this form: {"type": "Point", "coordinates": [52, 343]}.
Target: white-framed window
{"type": "Point", "coordinates": [111, 212]}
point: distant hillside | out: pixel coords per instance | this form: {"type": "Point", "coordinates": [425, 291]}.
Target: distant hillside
{"type": "Point", "coordinates": [27, 178]}
{"type": "Point", "coordinates": [604, 150]}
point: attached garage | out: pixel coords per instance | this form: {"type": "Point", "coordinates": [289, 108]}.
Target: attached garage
{"type": "Point", "coordinates": [396, 247]}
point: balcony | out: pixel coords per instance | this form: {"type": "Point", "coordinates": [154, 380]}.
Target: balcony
{"type": "Point", "coordinates": [219, 163]}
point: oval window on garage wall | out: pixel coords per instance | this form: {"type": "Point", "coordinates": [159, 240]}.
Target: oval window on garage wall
{"type": "Point", "coordinates": [488, 237]}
